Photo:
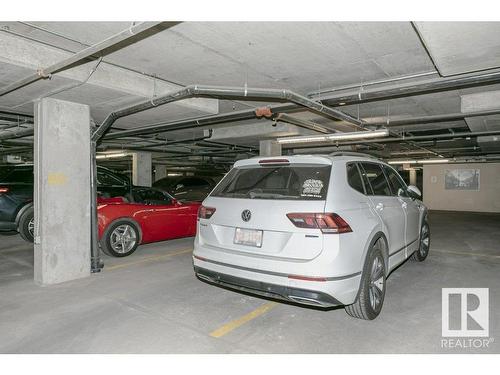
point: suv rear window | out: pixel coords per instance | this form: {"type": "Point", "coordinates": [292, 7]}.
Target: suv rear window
{"type": "Point", "coordinates": [294, 182]}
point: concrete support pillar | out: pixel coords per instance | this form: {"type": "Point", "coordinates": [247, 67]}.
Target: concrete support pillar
{"type": "Point", "coordinates": [61, 191]}
{"type": "Point", "coordinates": [160, 171]}
{"type": "Point", "coordinates": [413, 177]}
{"type": "Point", "coordinates": [141, 169]}
{"type": "Point", "coordinates": [269, 148]}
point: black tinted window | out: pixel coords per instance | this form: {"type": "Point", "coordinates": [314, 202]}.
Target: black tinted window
{"type": "Point", "coordinates": [16, 174]}
{"type": "Point", "coordinates": [376, 178]}
{"type": "Point", "coordinates": [299, 182]}
{"type": "Point", "coordinates": [354, 178]}
{"type": "Point", "coordinates": [106, 179]}
{"type": "Point", "coordinates": [194, 182]}
{"type": "Point", "coordinates": [397, 184]}
{"type": "Point", "coordinates": [152, 196]}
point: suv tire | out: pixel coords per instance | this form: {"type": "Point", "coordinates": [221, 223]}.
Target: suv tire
{"type": "Point", "coordinates": [425, 242]}
{"type": "Point", "coordinates": [371, 293]}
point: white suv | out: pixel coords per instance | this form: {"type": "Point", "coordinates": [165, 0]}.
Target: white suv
{"type": "Point", "coordinates": [318, 230]}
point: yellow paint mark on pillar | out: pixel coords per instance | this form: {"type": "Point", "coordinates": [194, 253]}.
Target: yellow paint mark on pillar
{"type": "Point", "coordinates": [231, 326]}
{"type": "Point", "coordinates": [55, 179]}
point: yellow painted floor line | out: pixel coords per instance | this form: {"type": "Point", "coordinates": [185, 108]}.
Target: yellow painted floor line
{"type": "Point", "coordinates": [226, 328]}
{"type": "Point", "coordinates": [148, 259]}
{"type": "Point", "coordinates": [468, 254]}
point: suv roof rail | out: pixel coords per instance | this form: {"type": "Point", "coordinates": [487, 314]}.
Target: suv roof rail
{"type": "Point", "coordinates": [352, 153]}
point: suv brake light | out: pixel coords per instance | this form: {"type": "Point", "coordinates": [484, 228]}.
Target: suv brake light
{"type": "Point", "coordinates": [205, 212]}
{"type": "Point", "coordinates": [4, 189]}
{"type": "Point", "coordinates": [327, 222]}
{"type": "Point", "coordinates": [274, 161]}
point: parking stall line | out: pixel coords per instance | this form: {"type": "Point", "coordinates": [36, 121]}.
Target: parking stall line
{"type": "Point", "coordinates": [148, 259]}
{"type": "Point", "coordinates": [231, 326]}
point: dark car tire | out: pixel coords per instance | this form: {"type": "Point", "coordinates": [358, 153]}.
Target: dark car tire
{"type": "Point", "coordinates": [425, 243]}
{"type": "Point", "coordinates": [26, 225]}
{"type": "Point", "coordinates": [112, 233]}
{"type": "Point", "coordinates": [372, 286]}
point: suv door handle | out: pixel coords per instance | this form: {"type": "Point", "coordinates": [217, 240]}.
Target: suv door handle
{"type": "Point", "coordinates": [379, 206]}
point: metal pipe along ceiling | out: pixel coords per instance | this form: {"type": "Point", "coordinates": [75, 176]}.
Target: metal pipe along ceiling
{"type": "Point", "coordinates": [15, 132]}
{"type": "Point", "coordinates": [411, 89]}
{"type": "Point", "coordinates": [434, 118]}
{"type": "Point", "coordinates": [411, 138]}
{"type": "Point", "coordinates": [223, 93]}
{"type": "Point", "coordinates": [379, 93]}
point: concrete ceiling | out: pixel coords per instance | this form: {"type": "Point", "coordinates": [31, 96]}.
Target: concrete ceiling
{"type": "Point", "coordinates": [301, 56]}
{"type": "Point", "coordinates": [460, 47]}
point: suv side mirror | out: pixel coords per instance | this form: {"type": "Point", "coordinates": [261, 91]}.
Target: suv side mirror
{"type": "Point", "coordinates": [414, 191]}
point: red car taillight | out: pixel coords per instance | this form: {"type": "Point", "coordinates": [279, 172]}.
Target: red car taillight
{"type": "Point", "coordinates": [327, 222]}
{"type": "Point", "coordinates": [4, 189]}
{"type": "Point", "coordinates": [205, 212]}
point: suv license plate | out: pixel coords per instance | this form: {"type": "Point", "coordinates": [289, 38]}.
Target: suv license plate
{"type": "Point", "coordinates": [249, 237]}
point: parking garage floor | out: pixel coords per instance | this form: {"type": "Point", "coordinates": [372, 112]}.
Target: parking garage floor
{"type": "Point", "coordinates": [151, 302]}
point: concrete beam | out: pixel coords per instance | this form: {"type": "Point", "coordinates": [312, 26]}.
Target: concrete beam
{"type": "Point", "coordinates": [483, 101]}
{"type": "Point", "coordinates": [31, 55]}
{"type": "Point", "coordinates": [62, 191]}
{"type": "Point", "coordinates": [141, 169]}
{"type": "Point", "coordinates": [256, 130]}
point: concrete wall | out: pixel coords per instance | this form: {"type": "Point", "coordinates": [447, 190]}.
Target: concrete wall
{"type": "Point", "coordinates": [486, 199]}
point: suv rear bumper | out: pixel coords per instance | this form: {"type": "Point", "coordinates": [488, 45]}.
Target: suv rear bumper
{"type": "Point", "coordinates": [291, 294]}
{"type": "Point", "coordinates": [284, 281]}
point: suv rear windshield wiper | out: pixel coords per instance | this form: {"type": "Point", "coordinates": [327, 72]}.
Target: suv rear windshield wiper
{"type": "Point", "coordinates": [254, 195]}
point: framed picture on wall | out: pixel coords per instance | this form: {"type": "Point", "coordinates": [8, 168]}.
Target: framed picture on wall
{"type": "Point", "coordinates": [461, 179]}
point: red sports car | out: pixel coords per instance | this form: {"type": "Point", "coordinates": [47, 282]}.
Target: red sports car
{"type": "Point", "coordinates": [149, 215]}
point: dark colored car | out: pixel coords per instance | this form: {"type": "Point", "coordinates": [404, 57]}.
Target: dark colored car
{"type": "Point", "coordinates": [188, 188]}
{"type": "Point", "coordinates": [16, 200]}
{"type": "Point", "coordinates": [16, 196]}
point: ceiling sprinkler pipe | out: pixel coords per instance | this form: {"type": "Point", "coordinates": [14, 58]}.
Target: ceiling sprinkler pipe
{"type": "Point", "coordinates": [223, 93]}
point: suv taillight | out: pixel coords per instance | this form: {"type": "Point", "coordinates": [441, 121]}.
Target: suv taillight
{"type": "Point", "coordinates": [205, 212]}
{"type": "Point", "coordinates": [327, 222]}
{"type": "Point", "coordinates": [4, 189]}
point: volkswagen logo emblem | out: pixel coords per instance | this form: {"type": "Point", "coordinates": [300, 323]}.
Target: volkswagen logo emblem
{"type": "Point", "coordinates": [246, 215]}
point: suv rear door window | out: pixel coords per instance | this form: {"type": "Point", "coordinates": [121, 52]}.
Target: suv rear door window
{"type": "Point", "coordinates": [397, 184]}
{"type": "Point", "coordinates": [354, 178]}
{"type": "Point", "coordinates": [291, 181]}
{"type": "Point", "coordinates": [376, 178]}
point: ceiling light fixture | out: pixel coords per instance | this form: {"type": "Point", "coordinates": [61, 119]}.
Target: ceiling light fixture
{"type": "Point", "coordinates": [110, 156]}
{"type": "Point", "coordinates": [335, 137]}
{"type": "Point", "coordinates": [423, 161]}
{"type": "Point", "coordinates": [432, 161]}
{"type": "Point", "coordinates": [402, 161]}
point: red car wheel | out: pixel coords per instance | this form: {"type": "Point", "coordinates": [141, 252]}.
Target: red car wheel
{"type": "Point", "coordinates": [121, 238]}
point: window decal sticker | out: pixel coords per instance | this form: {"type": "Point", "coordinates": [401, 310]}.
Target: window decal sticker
{"type": "Point", "coordinates": [312, 187]}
